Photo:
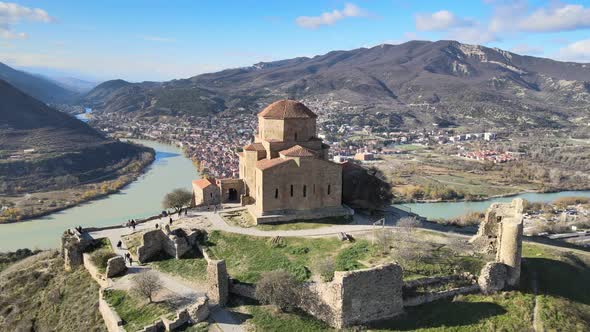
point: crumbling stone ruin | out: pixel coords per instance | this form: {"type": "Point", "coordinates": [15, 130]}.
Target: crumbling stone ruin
{"type": "Point", "coordinates": [116, 266]}
{"type": "Point", "coordinates": [492, 277]}
{"type": "Point", "coordinates": [217, 282]}
{"type": "Point", "coordinates": [500, 234]}
{"type": "Point", "coordinates": [357, 297]}
{"type": "Point", "coordinates": [174, 243]}
{"type": "Point", "coordinates": [73, 244]}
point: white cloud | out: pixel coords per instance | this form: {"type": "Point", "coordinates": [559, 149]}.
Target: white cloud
{"type": "Point", "coordinates": [12, 13]}
{"type": "Point", "coordinates": [441, 20]}
{"type": "Point", "coordinates": [527, 49]}
{"type": "Point", "coordinates": [577, 51]}
{"type": "Point", "coordinates": [472, 35]}
{"type": "Point", "coordinates": [329, 18]}
{"type": "Point", "coordinates": [158, 39]}
{"type": "Point", "coordinates": [561, 18]}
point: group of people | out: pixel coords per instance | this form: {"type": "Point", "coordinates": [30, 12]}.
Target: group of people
{"type": "Point", "coordinates": [128, 257]}
{"type": "Point", "coordinates": [131, 223]}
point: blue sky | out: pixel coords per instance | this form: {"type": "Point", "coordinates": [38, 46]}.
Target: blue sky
{"type": "Point", "coordinates": [161, 40]}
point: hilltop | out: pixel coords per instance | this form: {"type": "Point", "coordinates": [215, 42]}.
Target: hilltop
{"type": "Point", "coordinates": [38, 87]}
{"type": "Point", "coordinates": [417, 83]}
{"type": "Point", "coordinates": [43, 149]}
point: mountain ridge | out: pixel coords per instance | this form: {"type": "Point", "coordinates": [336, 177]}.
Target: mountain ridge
{"type": "Point", "coordinates": [415, 84]}
{"type": "Point", "coordinates": [38, 87]}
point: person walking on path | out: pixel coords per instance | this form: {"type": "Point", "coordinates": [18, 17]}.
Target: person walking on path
{"type": "Point", "coordinates": [119, 244]}
{"type": "Point", "coordinates": [170, 221]}
{"type": "Point", "coordinates": [130, 261]}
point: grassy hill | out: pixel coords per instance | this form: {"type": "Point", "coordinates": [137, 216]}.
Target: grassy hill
{"type": "Point", "coordinates": [44, 149]}
{"type": "Point", "coordinates": [38, 295]}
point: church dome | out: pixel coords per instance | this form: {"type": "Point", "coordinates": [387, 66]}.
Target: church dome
{"type": "Point", "coordinates": [287, 109]}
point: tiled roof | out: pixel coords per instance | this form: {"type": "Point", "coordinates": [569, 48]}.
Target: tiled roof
{"type": "Point", "coordinates": [254, 147]}
{"type": "Point", "coordinates": [268, 163]}
{"type": "Point", "coordinates": [204, 183]}
{"type": "Point", "coordinates": [287, 109]}
{"type": "Point", "coordinates": [297, 151]}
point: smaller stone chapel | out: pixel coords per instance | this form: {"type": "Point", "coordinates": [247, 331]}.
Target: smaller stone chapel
{"type": "Point", "coordinates": [285, 173]}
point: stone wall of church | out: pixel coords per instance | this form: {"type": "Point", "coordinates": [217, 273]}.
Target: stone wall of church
{"type": "Point", "coordinates": [314, 184]}
{"type": "Point", "coordinates": [291, 130]}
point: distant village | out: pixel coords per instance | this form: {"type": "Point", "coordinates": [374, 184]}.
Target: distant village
{"type": "Point", "coordinates": [212, 142]}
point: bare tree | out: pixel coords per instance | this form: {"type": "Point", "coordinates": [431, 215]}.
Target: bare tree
{"type": "Point", "coordinates": [383, 240]}
{"type": "Point", "coordinates": [147, 284]}
{"type": "Point", "coordinates": [407, 226]}
{"type": "Point", "coordinates": [278, 288]}
{"type": "Point", "coordinates": [177, 199]}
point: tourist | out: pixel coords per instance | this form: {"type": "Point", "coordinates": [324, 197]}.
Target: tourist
{"type": "Point", "coordinates": [157, 226]}
{"type": "Point", "coordinates": [130, 261]}
{"type": "Point", "coordinates": [186, 212]}
{"type": "Point", "coordinates": [170, 221]}
{"type": "Point", "coordinates": [119, 244]}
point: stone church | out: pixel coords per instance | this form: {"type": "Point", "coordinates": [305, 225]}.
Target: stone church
{"type": "Point", "coordinates": [285, 174]}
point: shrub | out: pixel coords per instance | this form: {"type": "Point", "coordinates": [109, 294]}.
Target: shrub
{"type": "Point", "coordinates": [278, 288]}
{"type": "Point", "coordinates": [101, 257]}
{"type": "Point", "coordinates": [325, 268]}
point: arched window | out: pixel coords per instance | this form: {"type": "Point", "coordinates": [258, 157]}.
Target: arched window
{"type": "Point", "coordinates": [314, 188]}
{"type": "Point", "coordinates": [295, 135]}
{"type": "Point", "coordinates": [211, 194]}
{"type": "Point", "coordinates": [329, 189]}
{"type": "Point", "coordinates": [291, 190]}
{"type": "Point", "coordinates": [304, 191]}
{"type": "Point", "coordinates": [277, 193]}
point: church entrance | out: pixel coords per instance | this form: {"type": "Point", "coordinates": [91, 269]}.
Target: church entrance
{"type": "Point", "coordinates": [233, 195]}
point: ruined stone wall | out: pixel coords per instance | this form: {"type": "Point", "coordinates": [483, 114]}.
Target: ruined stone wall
{"type": "Point", "coordinates": [357, 297]}
{"type": "Point", "coordinates": [217, 282]}
{"type": "Point", "coordinates": [500, 234]}
{"type": "Point", "coordinates": [510, 250]}
{"type": "Point", "coordinates": [73, 244]}
{"type": "Point", "coordinates": [112, 320]}
{"type": "Point", "coordinates": [157, 241]}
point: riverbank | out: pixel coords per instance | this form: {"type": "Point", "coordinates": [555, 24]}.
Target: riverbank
{"type": "Point", "coordinates": [137, 200]}
{"type": "Point", "coordinates": [40, 204]}
{"type": "Point", "coordinates": [450, 210]}
{"type": "Point", "coordinates": [483, 199]}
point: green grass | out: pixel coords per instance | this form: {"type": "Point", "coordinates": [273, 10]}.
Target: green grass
{"type": "Point", "coordinates": [102, 243]}
{"type": "Point", "coordinates": [348, 259]}
{"type": "Point", "coordinates": [190, 267]}
{"type": "Point", "coordinates": [267, 319]}
{"type": "Point", "coordinates": [306, 224]}
{"type": "Point", "coordinates": [134, 312]}
{"type": "Point", "coordinates": [249, 256]}
{"type": "Point", "coordinates": [132, 242]}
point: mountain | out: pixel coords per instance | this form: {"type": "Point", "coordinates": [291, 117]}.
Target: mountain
{"type": "Point", "coordinates": [38, 87]}
{"type": "Point", "coordinates": [414, 84]}
{"type": "Point", "coordinates": [73, 84]}
{"type": "Point", "coordinates": [40, 146]}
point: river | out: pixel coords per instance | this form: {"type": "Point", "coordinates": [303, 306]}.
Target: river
{"type": "Point", "coordinates": [141, 198]}
{"type": "Point", "coordinates": [455, 209]}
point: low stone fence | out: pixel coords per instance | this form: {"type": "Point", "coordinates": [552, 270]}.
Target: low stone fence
{"type": "Point", "coordinates": [430, 297]}
{"type": "Point", "coordinates": [137, 221]}
{"type": "Point", "coordinates": [101, 279]}
{"type": "Point", "coordinates": [112, 320]}
{"type": "Point", "coordinates": [193, 314]}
